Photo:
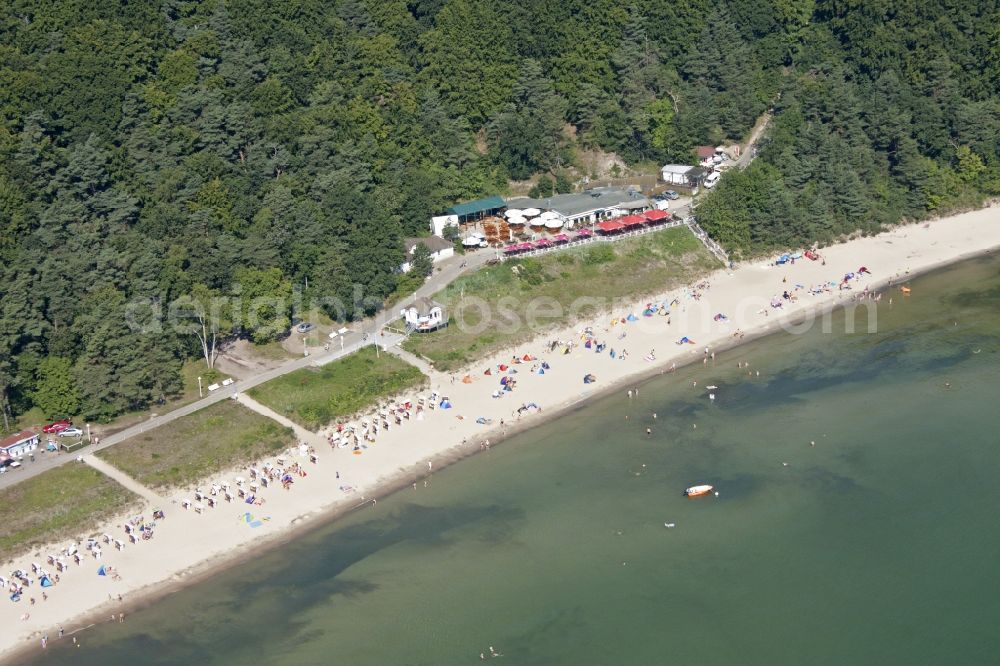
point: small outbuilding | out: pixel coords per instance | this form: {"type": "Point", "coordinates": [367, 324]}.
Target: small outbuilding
{"type": "Point", "coordinates": [18, 444]}
{"type": "Point", "coordinates": [679, 174]}
{"type": "Point", "coordinates": [440, 249]}
{"type": "Point", "coordinates": [424, 315]}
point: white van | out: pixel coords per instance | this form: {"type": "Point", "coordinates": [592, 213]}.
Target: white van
{"type": "Point", "coordinates": [712, 178]}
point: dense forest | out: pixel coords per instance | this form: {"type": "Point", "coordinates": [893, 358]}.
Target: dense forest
{"type": "Point", "coordinates": [154, 153]}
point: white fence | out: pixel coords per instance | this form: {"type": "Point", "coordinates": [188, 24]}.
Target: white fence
{"type": "Point", "coordinates": [712, 246]}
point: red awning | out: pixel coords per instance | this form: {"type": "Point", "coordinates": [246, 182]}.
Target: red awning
{"type": "Point", "coordinates": [632, 220]}
{"type": "Point", "coordinates": [607, 226]}
{"type": "Point", "coordinates": [656, 215]}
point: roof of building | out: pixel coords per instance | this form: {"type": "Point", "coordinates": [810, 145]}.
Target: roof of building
{"type": "Point", "coordinates": [433, 243]}
{"type": "Point", "coordinates": [574, 205]}
{"type": "Point", "coordinates": [705, 151]}
{"type": "Point", "coordinates": [17, 438]}
{"type": "Point", "coordinates": [478, 206]}
{"type": "Point", "coordinates": [676, 168]}
{"type": "Point", "coordinates": [423, 306]}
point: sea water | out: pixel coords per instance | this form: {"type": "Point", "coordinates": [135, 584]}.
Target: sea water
{"type": "Point", "coordinates": [856, 523]}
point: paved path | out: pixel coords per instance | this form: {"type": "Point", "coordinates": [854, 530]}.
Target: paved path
{"type": "Point", "coordinates": [124, 479]}
{"type": "Point", "coordinates": [414, 360]}
{"type": "Point", "coordinates": [303, 435]}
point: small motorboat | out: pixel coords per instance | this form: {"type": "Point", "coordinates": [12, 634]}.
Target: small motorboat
{"type": "Point", "coordinates": [699, 491]}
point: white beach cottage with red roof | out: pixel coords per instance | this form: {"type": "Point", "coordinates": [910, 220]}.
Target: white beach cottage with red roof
{"type": "Point", "coordinates": [18, 444]}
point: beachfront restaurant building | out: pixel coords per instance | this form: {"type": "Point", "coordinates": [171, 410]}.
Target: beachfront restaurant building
{"type": "Point", "coordinates": [424, 315]}
{"type": "Point", "coordinates": [19, 444]}
{"type": "Point", "coordinates": [588, 207]}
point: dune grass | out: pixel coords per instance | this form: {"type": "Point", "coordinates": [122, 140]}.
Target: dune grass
{"type": "Point", "coordinates": [314, 397]}
{"type": "Point", "coordinates": [63, 503]}
{"type": "Point", "coordinates": [196, 446]}
{"type": "Point", "coordinates": [529, 295]}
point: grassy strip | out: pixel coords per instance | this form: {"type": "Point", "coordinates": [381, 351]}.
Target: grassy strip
{"type": "Point", "coordinates": [63, 503]}
{"type": "Point", "coordinates": [555, 289]}
{"type": "Point", "coordinates": [314, 397]}
{"type": "Point", "coordinates": [196, 446]}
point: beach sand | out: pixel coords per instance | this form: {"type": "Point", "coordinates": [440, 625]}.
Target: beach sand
{"type": "Point", "coordinates": [188, 546]}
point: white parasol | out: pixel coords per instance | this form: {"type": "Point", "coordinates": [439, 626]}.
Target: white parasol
{"type": "Point", "coordinates": [549, 215]}
{"type": "Point", "coordinates": [513, 212]}
{"type": "Point", "coordinates": [553, 224]}
{"type": "Point", "coordinates": [515, 221]}
{"type": "Point", "coordinates": [530, 212]}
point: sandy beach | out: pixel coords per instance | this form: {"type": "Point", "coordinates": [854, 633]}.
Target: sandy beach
{"type": "Point", "coordinates": [189, 545]}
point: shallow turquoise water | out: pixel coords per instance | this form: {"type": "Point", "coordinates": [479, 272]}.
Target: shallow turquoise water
{"type": "Point", "coordinates": [878, 545]}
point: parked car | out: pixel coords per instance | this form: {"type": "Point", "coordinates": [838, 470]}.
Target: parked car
{"type": "Point", "coordinates": [58, 426]}
{"type": "Point", "coordinates": [71, 432]}
{"type": "Point", "coordinates": [305, 327]}
{"type": "Point", "coordinates": [670, 194]}
{"type": "Point", "coordinates": [712, 179]}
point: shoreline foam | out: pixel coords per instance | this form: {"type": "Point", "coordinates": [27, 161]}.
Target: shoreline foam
{"type": "Point", "coordinates": [79, 600]}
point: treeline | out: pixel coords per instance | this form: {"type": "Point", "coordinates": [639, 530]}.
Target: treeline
{"type": "Point", "coordinates": [200, 150]}
{"type": "Point", "coordinates": [888, 115]}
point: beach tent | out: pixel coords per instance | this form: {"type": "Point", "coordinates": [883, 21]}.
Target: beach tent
{"type": "Point", "coordinates": [685, 341]}
{"type": "Point", "coordinates": [505, 379]}
{"type": "Point", "coordinates": [102, 571]}
{"type": "Point", "coordinates": [589, 379]}
{"type": "Point", "coordinates": [445, 404]}
{"type": "Point", "coordinates": [46, 582]}
{"type": "Point", "coordinates": [632, 317]}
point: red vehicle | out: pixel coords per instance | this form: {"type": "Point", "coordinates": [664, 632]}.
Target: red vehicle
{"type": "Point", "coordinates": [811, 255]}
{"type": "Point", "coordinates": [58, 426]}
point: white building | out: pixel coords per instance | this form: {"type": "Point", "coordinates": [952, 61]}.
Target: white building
{"type": "Point", "coordinates": [18, 444]}
{"type": "Point", "coordinates": [587, 207]}
{"type": "Point", "coordinates": [424, 315]}
{"type": "Point", "coordinates": [440, 248]}
{"type": "Point", "coordinates": [677, 174]}
{"type": "Point", "coordinates": [440, 222]}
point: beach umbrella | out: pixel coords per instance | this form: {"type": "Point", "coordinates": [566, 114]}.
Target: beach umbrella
{"type": "Point", "coordinates": [549, 215]}
{"type": "Point", "coordinates": [516, 221]}
{"type": "Point", "coordinates": [553, 224]}
{"type": "Point", "coordinates": [512, 212]}
{"type": "Point", "coordinates": [530, 212]}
